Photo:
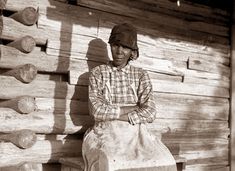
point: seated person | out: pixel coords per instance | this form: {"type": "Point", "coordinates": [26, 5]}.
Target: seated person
{"type": "Point", "coordinates": [121, 100]}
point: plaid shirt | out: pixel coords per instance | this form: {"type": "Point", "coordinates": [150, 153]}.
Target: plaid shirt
{"type": "Point", "coordinates": [110, 88]}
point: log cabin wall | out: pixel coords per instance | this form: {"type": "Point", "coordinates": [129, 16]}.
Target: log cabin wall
{"type": "Point", "coordinates": [185, 48]}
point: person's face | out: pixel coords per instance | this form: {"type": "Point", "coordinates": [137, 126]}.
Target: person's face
{"type": "Point", "coordinates": [121, 55]}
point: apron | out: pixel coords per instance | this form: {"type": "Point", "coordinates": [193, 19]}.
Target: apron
{"type": "Point", "coordinates": [117, 145]}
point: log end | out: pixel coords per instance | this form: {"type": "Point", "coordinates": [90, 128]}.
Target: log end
{"type": "Point", "coordinates": [27, 73]}
{"type": "Point", "coordinates": [29, 16]}
{"type": "Point", "coordinates": [27, 44]}
{"type": "Point", "coordinates": [26, 138]}
{"type": "Point", "coordinates": [24, 44]}
{"type": "Point", "coordinates": [26, 104]}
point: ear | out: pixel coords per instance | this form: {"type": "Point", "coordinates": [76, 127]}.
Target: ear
{"type": "Point", "coordinates": [134, 54]}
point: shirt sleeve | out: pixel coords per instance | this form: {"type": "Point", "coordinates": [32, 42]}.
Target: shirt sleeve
{"type": "Point", "coordinates": [147, 108]}
{"type": "Point", "coordinates": [99, 107]}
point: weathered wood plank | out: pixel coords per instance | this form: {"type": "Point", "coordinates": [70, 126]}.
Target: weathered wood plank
{"type": "Point", "coordinates": [12, 88]}
{"type": "Point", "coordinates": [64, 90]}
{"type": "Point", "coordinates": [13, 30]}
{"type": "Point", "coordinates": [67, 123]}
{"type": "Point", "coordinates": [205, 75]}
{"type": "Point", "coordinates": [124, 8]}
{"type": "Point", "coordinates": [153, 35]}
{"type": "Point", "coordinates": [11, 58]}
{"type": "Point", "coordinates": [73, 50]}
{"type": "Point", "coordinates": [152, 51]}
{"type": "Point", "coordinates": [215, 167]}
{"type": "Point", "coordinates": [183, 98]}
{"type": "Point", "coordinates": [193, 147]}
{"type": "Point", "coordinates": [23, 167]}
{"type": "Point", "coordinates": [188, 8]}
{"type": "Point", "coordinates": [210, 161]}
{"type": "Point", "coordinates": [208, 66]}
{"type": "Point", "coordinates": [210, 82]}
{"type": "Point", "coordinates": [44, 152]}
{"type": "Point", "coordinates": [77, 77]}
{"type": "Point", "coordinates": [62, 106]}
{"type": "Point", "coordinates": [206, 154]}
{"type": "Point", "coordinates": [69, 18]}
{"type": "Point", "coordinates": [44, 122]}
{"type": "Point", "coordinates": [188, 88]}
{"type": "Point", "coordinates": [175, 108]}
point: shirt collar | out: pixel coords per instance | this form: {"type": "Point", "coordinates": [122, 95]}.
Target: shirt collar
{"type": "Point", "coordinates": [125, 69]}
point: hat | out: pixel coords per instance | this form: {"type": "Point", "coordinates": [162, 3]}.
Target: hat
{"type": "Point", "coordinates": [124, 34]}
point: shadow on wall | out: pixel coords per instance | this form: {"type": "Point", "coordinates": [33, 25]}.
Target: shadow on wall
{"type": "Point", "coordinates": [60, 122]}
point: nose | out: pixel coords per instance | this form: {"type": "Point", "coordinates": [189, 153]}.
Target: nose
{"type": "Point", "coordinates": [119, 49]}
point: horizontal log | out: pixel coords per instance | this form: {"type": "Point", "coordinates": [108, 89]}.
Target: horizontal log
{"type": "Point", "coordinates": [12, 88]}
{"type": "Point", "coordinates": [62, 106]}
{"type": "Point", "coordinates": [26, 73]}
{"type": "Point", "coordinates": [22, 138]}
{"type": "Point", "coordinates": [13, 30]}
{"type": "Point", "coordinates": [28, 16]}
{"type": "Point", "coordinates": [43, 152]}
{"type": "Point", "coordinates": [23, 105]}
{"type": "Point", "coordinates": [208, 66]}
